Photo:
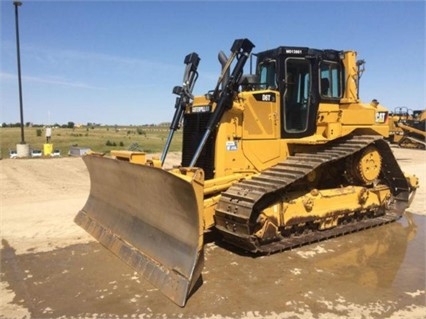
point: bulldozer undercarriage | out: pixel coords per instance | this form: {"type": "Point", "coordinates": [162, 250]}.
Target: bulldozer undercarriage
{"type": "Point", "coordinates": [408, 141]}
{"type": "Point", "coordinates": [362, 186]}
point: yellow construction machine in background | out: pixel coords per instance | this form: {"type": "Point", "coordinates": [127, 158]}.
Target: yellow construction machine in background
{"type": "Point", "coordinates": [407, 128]}
{"type": "Point", "coordinates": [282, 157]}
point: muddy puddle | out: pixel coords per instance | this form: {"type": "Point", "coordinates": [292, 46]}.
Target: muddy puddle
{"type": "Point", "coordinates": [376, 273]}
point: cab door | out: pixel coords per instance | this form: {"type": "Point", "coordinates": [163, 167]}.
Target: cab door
{"type": "Point", "coordinates": [299, 105]}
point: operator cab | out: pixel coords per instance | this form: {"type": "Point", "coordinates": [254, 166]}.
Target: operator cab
{"type": "Point", "coordinates": [303, 77]}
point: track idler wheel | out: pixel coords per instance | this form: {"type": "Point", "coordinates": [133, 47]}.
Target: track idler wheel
{"type": "Point", "coordinates": [366, 165]}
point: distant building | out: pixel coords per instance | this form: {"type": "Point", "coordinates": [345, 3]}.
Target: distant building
{"type": "Point", "coordinates": [78, 151]}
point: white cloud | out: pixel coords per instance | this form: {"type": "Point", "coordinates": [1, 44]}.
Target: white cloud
{"type": "Point", "coordinates": [58, 56]}
{"type": "Point", "coordinates": [48, 80]}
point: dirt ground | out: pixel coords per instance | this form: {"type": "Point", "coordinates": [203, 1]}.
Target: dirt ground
{"type": "Point", "coordinates": [51, 268]}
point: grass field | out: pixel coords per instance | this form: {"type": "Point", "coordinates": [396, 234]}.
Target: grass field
{"type": "Point", "coordinates": [150, 139]}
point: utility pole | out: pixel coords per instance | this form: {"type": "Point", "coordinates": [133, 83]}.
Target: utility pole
{"type": "Point", "coordinates": [22, 149]}
{"type": "Point", "coordinates": [18, 4]}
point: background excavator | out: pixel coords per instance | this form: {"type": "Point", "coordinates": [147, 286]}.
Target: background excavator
{"type": "Point", "coordinates": [281, 157]}
{"type": "Point", "coordinates": [407, 128]}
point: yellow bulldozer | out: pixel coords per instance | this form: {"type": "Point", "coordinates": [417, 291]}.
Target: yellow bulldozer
{"type": "Point", "coordinates": [281, 157]}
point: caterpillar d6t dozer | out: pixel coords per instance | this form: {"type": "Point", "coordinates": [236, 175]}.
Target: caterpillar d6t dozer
{"type": "Point", "coordinates": [272, 160]}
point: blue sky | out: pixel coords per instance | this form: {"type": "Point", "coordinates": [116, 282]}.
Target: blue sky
{"type": "Point", "coordinates": [116, 62]}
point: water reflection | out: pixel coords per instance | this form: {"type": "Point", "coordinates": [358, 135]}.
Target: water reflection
{"type": "Point", "coordinates": [371, 258]}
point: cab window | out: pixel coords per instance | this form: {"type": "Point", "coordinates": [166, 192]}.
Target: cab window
{"type": "Point", "coordinates": [330, 80]}
{"type": "Point", "coordinates": [267, 74]}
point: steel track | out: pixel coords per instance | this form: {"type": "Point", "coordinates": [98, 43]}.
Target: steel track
{"type": "Point", "coordinates": [239, 206]}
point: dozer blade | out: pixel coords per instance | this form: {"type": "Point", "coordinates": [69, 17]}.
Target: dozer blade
{"type": "Point", "coordinates": [150, 219]}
